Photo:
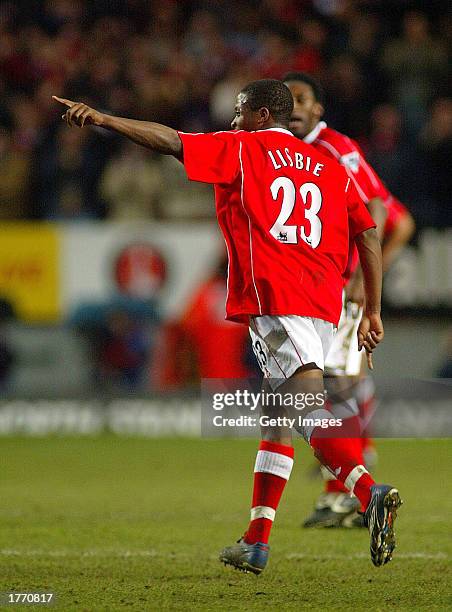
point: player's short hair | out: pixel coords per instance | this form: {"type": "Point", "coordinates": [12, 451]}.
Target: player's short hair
{"type": "Point", "coordinates": [271, 94]}
{"type": "Point", "coordinates": [302, 77]}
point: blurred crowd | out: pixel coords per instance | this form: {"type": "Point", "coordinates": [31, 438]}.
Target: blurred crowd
{"type": "Point", "coordinates": [383, 64]}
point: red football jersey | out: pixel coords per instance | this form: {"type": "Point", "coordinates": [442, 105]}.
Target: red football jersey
{"type": "Point", "coordinates": [396, 211]}
{"type": "Point", "coordinates": [368, 184]}
{"type": "Point", "coordinates": [286, 212]}
{"type": "Point", "coordinates": [348, 153]}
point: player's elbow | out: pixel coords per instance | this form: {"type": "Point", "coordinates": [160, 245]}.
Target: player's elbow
{"type": "Point", "coordinates": [169, 143]}
{"type": "Point", "coordinates": [368, 243]}
{"type": "Point", "coordinates": [367, 238]}
{"type": "Point", "coordinates": [378, 211]}
{"type": "Point", "coordinates": [176, 147]}
{"type": "Point", "coordinates": [406, 228]}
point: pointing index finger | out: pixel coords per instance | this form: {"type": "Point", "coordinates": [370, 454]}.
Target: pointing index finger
{"type": "Point", "coordinates": [67, 103]}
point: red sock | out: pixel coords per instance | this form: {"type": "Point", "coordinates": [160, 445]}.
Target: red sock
{"type": "Point", "coordinates": [362, 489]}
{"type": "Point", "coordinates": [333, 485]}
{"type": "Point", "coordinates": [271, 472]}
{"type": "Point", "coordinates": [345, 460]}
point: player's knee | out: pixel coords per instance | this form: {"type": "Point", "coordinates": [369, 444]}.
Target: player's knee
{"type": "Point", "coordinates": [309, 370]}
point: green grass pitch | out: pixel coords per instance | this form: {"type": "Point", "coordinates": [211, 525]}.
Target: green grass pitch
{"type": "Point", "coordinates": [114, 523]}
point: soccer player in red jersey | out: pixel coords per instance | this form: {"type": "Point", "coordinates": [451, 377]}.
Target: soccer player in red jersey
{"type": "Point", "coordinates": [286, 212]}
{"type": "Point", "coordinates": [335, 507]}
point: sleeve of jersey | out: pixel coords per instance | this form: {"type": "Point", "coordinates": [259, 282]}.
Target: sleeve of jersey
{"type": "Point", "coordinates": [211, 158]}
{"type": "Point", "coordinates": [366, 180]}
{"type": "Point", "coordinates": [359, 219]}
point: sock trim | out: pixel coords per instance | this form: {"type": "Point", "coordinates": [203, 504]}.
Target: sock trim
{"type": "Point", "coordinates": [354, 476]}
{"type": "Point", "coordinates": [263, 512]}
{"type": "Point", "coordinates": [273, 463]}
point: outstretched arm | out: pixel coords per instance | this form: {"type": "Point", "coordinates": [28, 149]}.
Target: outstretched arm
{"type": "Point", "coordinates": [153, 136]}
{"type": "Point", "coordinates": [370, 331]}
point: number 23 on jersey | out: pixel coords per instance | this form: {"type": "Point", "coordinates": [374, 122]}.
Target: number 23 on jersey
{"type": "Point", "coordinates": [288, 234]}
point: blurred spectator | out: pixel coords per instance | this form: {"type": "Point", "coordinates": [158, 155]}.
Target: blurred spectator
{"type": "Point", "coordinates": [415, 64]}
{"type": "Point", "coordinates": [436, 146]}
{"type": "Point", "coordinates": [224, 94]}
{"type": "Point", "coordinates": [25, 117]}
{"type": "Point", "coordinates": [204, 42]}
{"type": "Point", "coordinates": [347, 103]}
{"type": "Point", "coordinates": [121, 335]}
{"type": "Point", "coordinates": [123, 352]}
{"type": "Point", "coordinates": [132, 185]}
{"type": "Point", "coordinates": [241, 35]}
{"type": "Point", "coordinates": [57, 13]}
{"type": "Point", "coordinates": [14, 168]}
{"type": "Point", "coordinates": [202, 344]}
{"type": "Point", "coordinates": [309, 55]}
{"type": "Point", "coordinates": [65, 176]}
{"type": "Point", "coordinates": [221, 348]}
{"type": "Point", "coordinates": [183, 200]}
{"type": "Point", "coordinates": [274, 55]}
{"type": "Point", "coordinates": [281, 11]}
{"type": "Point", "coordinates": [390, 155]}
{"type": "Point", "coordinates": [363, 38]}
{"type": "Point", "coordinates": [66, 173]}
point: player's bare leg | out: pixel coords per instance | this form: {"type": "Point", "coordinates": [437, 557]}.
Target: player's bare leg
{"type": "Point", "coordinates": [272, 470]}
{"type": "Point", "coordinates": [336, 506]}
{"type": "Point", "coordinates": [274, 463]}
{"type": "Point", "coordinates": [379, 501]}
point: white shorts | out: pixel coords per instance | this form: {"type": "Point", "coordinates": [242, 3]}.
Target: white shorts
{"type": "Point", "coordinates": [344, 359]}
{"type": "Point", "coordinates": [282, 344]}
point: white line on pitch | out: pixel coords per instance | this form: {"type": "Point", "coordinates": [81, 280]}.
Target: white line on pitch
{"type": "Point", "coordinates": [415, 555]}
{"type": "Point", "coordinates": [10, 552]}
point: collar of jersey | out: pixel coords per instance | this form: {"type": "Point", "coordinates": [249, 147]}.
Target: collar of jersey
{"type": "Point", "coordinates": [276, 129]}
{"type": "Point", "coordinates": [315, 132]}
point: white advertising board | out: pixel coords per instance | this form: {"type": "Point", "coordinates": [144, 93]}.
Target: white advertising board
{"type": "Point", "coordinates": [190, 251]}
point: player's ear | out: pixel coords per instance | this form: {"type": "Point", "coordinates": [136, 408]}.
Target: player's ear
{"type": "Point", "coordinates": [318, 109]}
{"type": "Point", "coordinates": [264, 115]}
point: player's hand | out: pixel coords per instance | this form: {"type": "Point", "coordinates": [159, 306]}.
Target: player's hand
{"type": "Point", "coordinates": [370, 333]}
{"type": "Point", "coordinates": [78, 113]}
